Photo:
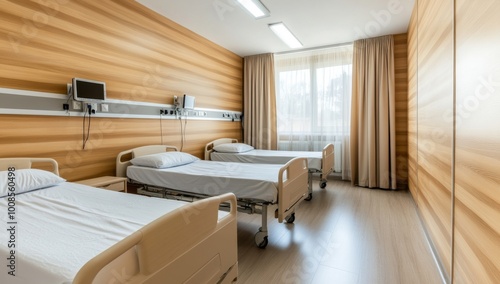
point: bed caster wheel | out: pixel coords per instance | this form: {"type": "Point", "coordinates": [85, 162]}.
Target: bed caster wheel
{"type": "Point", "coordinates": [322, 184]}
{"type": "Point", "coordinates": [309, 197]}
{"type": "Point", "coordinates": [261, 240]}
{"type": "Point", "coordinates": [290, 218]}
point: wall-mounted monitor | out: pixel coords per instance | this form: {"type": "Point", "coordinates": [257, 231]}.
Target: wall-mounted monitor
{"type": "Point", "coordinates": [187, 102]}
{"type": "Point", "coordinates": [88, 90]}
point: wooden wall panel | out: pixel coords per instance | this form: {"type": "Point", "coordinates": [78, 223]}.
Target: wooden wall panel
{"type": "Point", "coordinates": [477, 167]}
{"type": "Point", "coordinates": [435, 131]}
{"type": "Point", "coordinates": [401, 75]}
{"type": "Point", "coordinates": [61, 139]}
{"type": "Point", "coordinates": [412, 104]}
{"type": "Point", "coordinates": [141, 56]}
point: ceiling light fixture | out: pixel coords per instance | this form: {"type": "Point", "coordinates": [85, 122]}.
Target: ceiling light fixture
{"type": "Point", "coordinates": [285, 35]}
{"type": "Point", "coordinates": [255, 7]}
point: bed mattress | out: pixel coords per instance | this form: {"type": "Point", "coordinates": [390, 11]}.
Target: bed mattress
{"type": "Point", "coordinates": [246, 181]}
{"type": "Point", "coordinates": [62, 227]}
{"type": "Point", "coordinates": [270, 157]}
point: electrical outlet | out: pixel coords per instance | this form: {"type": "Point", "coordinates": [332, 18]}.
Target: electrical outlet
{"type": "Point", "coordinates": [91, 108]}
{"type": "Point", "coordinates": [104, 107]}
{"type": "Point", "coordinates": [77, 105]}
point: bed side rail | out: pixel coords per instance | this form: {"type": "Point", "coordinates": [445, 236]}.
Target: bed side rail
{"type": "Point", "coordinates": [124, 157]}
{"type": "Point", "coordinates": [292, 186]}
{"type": "Point", "coordinates": [209, 147]}
{"type": "Point", "coordinates": [27, 163]}
{"type": "Point", "coordinates": [327, 161]}
{"type": "Point", "coordinates": [188, 245]}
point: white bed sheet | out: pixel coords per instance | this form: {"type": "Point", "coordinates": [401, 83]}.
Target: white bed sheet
{"type": "Point", "coordinates": [270, 157]}
{"type": "Point", "coordinates": [62, 227]}
{"type": "Point", "coordinates": [250, 181]}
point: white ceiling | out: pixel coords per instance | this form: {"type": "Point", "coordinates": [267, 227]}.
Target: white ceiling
{"type": "Point", "coordinates": [315, 23]}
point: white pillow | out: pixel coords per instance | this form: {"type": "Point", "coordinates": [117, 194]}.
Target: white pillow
{"type": "Point", "coordinates": [164, 160]}
{"type": "Point", "coordinates": [27, 180]}
{"type": "Point", "coordinates": [233, 148]}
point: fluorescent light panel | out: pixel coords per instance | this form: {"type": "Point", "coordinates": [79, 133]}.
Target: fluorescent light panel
{"type": "Point", "coordinates": [285, 35]}
{"type": "Point", "coordinates": [255, 7]}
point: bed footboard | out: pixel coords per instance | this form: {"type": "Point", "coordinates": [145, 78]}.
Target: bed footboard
{"type": "Point", "coordinates": [326, 164]}
{"type": "Point", "coordinates": [292, 186]}
{"type": "Point", "coordinates": [188, 245]}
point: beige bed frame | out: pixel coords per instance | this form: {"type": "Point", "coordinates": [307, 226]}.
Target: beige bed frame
{"type": "Point", "coordinates": [326, 161]}
{"type": "Point", "coordinates": [187, 245]}
{"type": "Point", "coordinates": [292, 187]}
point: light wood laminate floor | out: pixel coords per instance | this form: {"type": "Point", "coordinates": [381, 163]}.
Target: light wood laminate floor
{"type": "Point", "coordinates": [344, 235]}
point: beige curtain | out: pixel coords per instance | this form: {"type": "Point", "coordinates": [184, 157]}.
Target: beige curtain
{"type": "Point", "coordinates": [259, 102]}
{"type": "Point", "coordinates": [373, 143]}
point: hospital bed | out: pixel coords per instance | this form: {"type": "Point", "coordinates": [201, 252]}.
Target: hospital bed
{"type": "Point", "coordinates": [318, 162]}
{"type": "Point", "coordinates": [62, 232]}
{"type": "Point", "coordinates": [255, 187]}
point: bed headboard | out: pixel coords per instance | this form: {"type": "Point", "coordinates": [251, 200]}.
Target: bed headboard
{"type": "Point", "coordinates": [209, 147]}
{"type": "Point", "coordinates": [123, 158]}
{"type": "Point", "coordinates": [27, 163]}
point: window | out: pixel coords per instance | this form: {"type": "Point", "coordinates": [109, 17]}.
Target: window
{"type": "Point", "coordinates": [313, 98]}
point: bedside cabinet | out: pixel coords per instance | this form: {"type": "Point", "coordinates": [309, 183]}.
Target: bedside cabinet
{"type": "Point", "coordinates": [107, 182]}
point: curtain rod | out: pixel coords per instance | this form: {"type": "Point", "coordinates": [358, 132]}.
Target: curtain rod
{"type": "Point", "coordinates": [313, 48]}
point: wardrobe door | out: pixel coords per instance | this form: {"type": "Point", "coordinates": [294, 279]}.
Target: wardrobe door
{"type": "Point", "coordinates": [477, 162]}
{"type": "Point", "coordinates": [435, 124]}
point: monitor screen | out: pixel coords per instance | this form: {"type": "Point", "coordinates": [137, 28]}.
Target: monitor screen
{"type": "Point", "coordinates": [187, 102]}
{"type": "Point", "coordinates": [88, 90]}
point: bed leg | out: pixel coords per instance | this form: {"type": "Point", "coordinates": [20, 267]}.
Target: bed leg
{"type": "Point", "coordinates": [261, 236]}
{"type": "Point", "coordinates": [310, 186]}
{"type": "Point", "coordinates": [322, 181]}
